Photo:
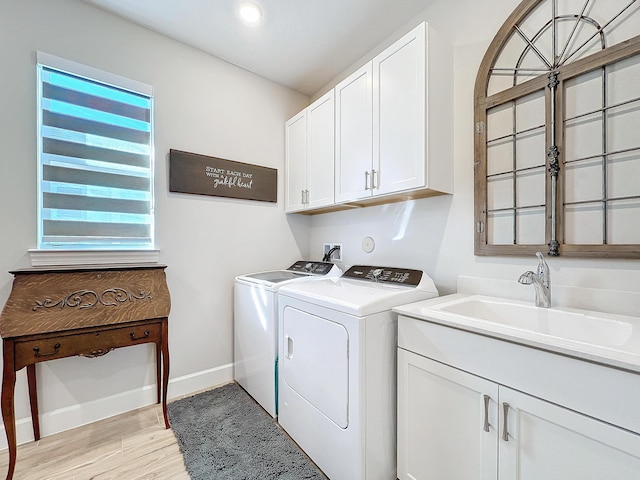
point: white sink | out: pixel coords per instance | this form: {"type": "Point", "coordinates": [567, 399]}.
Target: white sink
{"type": "Point", "coordinates": [582, 326]}
{"type": "Point", "coordinates": [611, 338]}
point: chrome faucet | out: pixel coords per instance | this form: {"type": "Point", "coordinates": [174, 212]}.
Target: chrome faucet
{"type": "Point", "coordinates": [541, 281]}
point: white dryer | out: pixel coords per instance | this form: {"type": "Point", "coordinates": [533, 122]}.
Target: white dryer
{"type": "Point", "coordinates": [255, 326]}
{"type": "Point", "coordinates": [337, 375]}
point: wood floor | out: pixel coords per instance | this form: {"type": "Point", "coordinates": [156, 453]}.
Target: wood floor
{"type": "Point", "coordinates": [131, 446]}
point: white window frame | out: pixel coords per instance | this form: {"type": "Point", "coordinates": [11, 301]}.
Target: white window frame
{"type": "Point", "coordinates": [98, 255]}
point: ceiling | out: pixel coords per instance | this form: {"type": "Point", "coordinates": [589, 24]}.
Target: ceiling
{"type": "Point", "coordinates": [302, 44]}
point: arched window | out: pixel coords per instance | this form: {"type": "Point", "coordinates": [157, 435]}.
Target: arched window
{"type": "Point", "coordinates": [557, 131]}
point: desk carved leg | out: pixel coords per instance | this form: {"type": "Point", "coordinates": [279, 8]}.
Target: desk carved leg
{"type": "Point", "coordinates": [159, 370]}
{"type": "Point", "coordinates": [8, 411]}
{"type": "Point", "coordinates": [33, 400]}
{"type": "Point", "coordinates": [165, 369]}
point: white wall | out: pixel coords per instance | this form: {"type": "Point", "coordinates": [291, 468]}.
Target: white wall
{"type": "Point", "coordinates": [202, 105]}
{"type": "Point", "coordinates": [436, 234]}
{"type": "Point", "coordinates": [207, 106]}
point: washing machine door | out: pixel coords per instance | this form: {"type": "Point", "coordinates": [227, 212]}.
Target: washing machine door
{"type": "Point", "coordinates": [323, 384]}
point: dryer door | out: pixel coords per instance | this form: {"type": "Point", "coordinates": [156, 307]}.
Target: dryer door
{"type": "Point", "coordinates": [315, 362]}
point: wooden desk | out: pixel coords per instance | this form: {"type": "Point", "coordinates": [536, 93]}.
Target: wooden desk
{"type": "Point", "coordinates": [62, 312]}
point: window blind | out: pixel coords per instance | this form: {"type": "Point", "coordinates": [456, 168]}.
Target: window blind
{"type": "Point", "coordinates": [96, 177]}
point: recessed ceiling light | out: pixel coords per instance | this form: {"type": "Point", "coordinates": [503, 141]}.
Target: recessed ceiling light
{"type": "Point", "coordinates": [250, 13]}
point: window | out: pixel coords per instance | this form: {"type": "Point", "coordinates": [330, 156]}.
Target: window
{"type": "Point", "coordinates": [95, 159]}
{"type": "Point", "coordinates": [557, 150]}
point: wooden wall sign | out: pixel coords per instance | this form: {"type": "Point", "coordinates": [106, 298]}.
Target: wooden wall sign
{"type": "Point", "coordinates": [204, 175]}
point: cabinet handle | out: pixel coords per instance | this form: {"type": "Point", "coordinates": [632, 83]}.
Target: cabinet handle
{"type": "Point", "coordinates": [302, 196]}
{"type": "Point", "coordinates": [486, 399]}
{"type": "Point", "coordinates": [306, 197]}
{"type": "Point", "coordinates": [374, 184]}
{"type": "Point", "coordinates": [505, 430]}
{"type": "Point", "coordinates": [56, 348]}
{"type": "Point", "coordinates": [366, 180]}
{"type": "Point", "coordinates": [133, 335]}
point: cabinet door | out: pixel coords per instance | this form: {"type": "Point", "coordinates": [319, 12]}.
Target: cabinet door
{"type": "Point", "coordinates": [399, 112]}
{"type": "Point", "coordinates": [354, 136]}
{"type": "Point", "coordinates": [441, 422]}
{"type": "Point", "coordinates": [320, 151]}
{"type": "Point", "coordinates": [296, 162]}
{"type": "Point", "coordinates": [549, 442]}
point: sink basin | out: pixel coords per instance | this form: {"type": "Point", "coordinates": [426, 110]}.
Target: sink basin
{"type": "Point", "coordinates": [601, 337]}
{"type": "Point", "coordinates": [582, 326]}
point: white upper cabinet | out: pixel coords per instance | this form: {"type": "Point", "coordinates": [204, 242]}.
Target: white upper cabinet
{"type": "Point", "coordinates": [295, 132]}
{"type": "Point", "coordinates": [309, 163]}
{"type": "Point", "coordinates": [320, 151]}
{"type": "Point", "coordinates": [399, 122]}
{"type": "Point", "coordinates": [393, 131]}
{"type": "Point", "coordinates": [391, 103]}
{"type": "Point", "coordinates": [354, 135]}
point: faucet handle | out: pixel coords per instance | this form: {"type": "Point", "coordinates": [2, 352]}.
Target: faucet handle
{"type": "Point", "coordinates": [526, 278]}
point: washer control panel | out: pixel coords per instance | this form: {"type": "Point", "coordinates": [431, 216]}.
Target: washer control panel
{"type": "Point", "coordinates": [402, 276]}
{"type": "Point", "coordinates": [315, 268]}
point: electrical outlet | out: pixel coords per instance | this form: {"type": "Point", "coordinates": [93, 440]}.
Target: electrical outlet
{"type": "Point", "coordinates": [336, 255]}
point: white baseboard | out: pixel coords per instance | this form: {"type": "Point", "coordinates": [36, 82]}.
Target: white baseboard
{"type": "Point", "coordinates": [194, 382]}
{"type": "Point", "coordinates": [81, 414]}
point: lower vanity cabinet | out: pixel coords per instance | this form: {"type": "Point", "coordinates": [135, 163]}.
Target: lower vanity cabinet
{"type": "Point", "coordinates": [454, 425]}
{"type": "Point", "coordinates": [441, 418]}
{"type": "Point", "coordinates": [544, 441]}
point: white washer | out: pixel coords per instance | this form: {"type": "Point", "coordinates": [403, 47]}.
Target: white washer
{"type": "Point", "coordinates": [256, 326]}
{"type": "Point", "coordinates": [337, 374]}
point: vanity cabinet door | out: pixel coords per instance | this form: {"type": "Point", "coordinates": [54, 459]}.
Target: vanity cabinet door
{"type": "Point", "coordinates": [545, 441]}
{"type": "Point", "coordinates": [447, 422]}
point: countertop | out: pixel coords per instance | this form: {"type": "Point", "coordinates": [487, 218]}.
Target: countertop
{"type": "Point", "coordinates": [625, 356]}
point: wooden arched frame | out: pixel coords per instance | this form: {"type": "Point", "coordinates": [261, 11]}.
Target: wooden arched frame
{"type": "Point", "coordinates": [568, 63]}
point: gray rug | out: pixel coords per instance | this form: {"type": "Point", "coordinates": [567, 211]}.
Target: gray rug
{"type": "Point", "coordinates": [225, 435]}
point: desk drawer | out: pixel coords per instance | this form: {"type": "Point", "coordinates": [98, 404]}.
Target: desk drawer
{"type": "Point", "coordinates": [93, 343]}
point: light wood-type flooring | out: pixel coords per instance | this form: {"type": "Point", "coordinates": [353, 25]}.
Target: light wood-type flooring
{"type": "Point", "coordinates": [131, 446]}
